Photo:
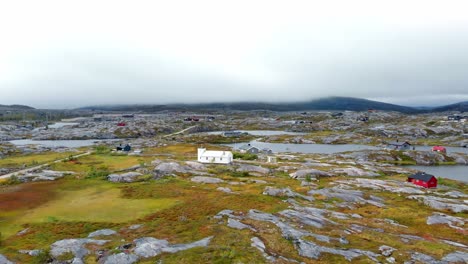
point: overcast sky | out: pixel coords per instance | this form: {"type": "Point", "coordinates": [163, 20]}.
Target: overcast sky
{"type": "Point", "coordinates": [64, 54]}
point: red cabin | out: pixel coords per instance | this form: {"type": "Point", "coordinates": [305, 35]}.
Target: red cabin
{"type": "Point", "coordinates": [439, 149]}
{"type": "Point", "coordinates": [121, 124]}
{"type": "Point", "coordinates": [423, 179]}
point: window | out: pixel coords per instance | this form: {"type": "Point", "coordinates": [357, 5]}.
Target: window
{"type": "Point", "coordinates": [220, 159]}
{"type": "Point", "coordinates": [206, 158]}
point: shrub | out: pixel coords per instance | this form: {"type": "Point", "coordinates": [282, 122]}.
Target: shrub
{"type": "Point", "coordinates": [244, 156]}
{"type": "Point", "coordinates": [102, 149]}
{"type": "Point", "coordinates": [100, 172]}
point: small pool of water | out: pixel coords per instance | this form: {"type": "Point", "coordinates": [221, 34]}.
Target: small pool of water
{"type": "Point", "coordinates": [260, 132]}
{"type": "Point", "coordinates": [306, 148]}
{"type": "Point", "coordinates": [56, 143]}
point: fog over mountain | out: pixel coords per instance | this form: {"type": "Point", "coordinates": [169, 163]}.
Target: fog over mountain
{"type": "Point", "coordinates": [58, 54]}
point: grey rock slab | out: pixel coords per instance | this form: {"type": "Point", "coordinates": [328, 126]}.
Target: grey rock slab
{"type": "Point", "coordinates": [258, 244]}
{"type": "Point", "coordinates": [205, 179]}
{"type": "Point", "coordinates": [4, 260]}
{"type": "Point", "coordinates": [147, 247]}
{"type": "Point", "coordinates": [355, 172]}
{"type": "Point", "coordinates": [133, 227]}
{"type": "Point", "coordinates": [226, 212]}
{"type": "Point", "coordinates": [386, 250]}
{"type": "Point", "coordinates": [179, 247]}
{"type": "Point", "coordinates": [195, 165]}
{"type": "Point", "coordinates": [224, 189]}
{"type": "Point", "coordinates": [34, 252]}
{"type": "Point", "coordinates": [124, 177]}
{"type": "Point", "coordinates": [121, 258]}
{"type": "Point", "coordinates": [233, 223]}
{"type": "Point", "coordinates": [451, 221]}
{"type": "Point", "coordinates": [456, 257]}
{"type": "Point", "coordinates": [169, 167]}
{"type": "Point", "coordinates": [313, 173]}
{"type": "Point", "coordinates": [102, 232]}
{"type": "Point", "coordinates": [74, 246]}
{"type": "Point", "coordinates": [284, 192]}
{"type": "Point", "coordinates": [253, 168]}
{"type": "Point", "coordinates": [438, 203]}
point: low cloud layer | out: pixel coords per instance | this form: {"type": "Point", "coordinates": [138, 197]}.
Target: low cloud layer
{"type": "Point", "coordinates": [62, 55]}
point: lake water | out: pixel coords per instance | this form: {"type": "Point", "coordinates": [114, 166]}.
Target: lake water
{"type": "Point", "coordinates": [455, 172]}
{"type": "Point", "coordinates": [449, 149]}
{"type": "Point", "coordinates": [306, 148]}
{"type": "Point", "coordinates": [55, 143]}
{"type": "Point", "coordinates": [260, 132]}
{"type": "Point", "coordinates": [62, 124]}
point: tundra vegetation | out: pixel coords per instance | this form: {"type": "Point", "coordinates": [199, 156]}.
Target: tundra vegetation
{"type": "Point", "coordinates": [337, 208]}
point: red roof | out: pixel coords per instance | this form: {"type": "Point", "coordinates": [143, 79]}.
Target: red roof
{"type": "Point", "coordinates": [439, 148]}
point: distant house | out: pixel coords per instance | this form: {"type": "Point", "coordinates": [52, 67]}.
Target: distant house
{"type": "Point", "coordinates": [363, 118]}
{"type": "Point", "coordinates": [124, 148]}
{"type": "Point", "coordinates": [454, 117]}
{"type": "Point", "coordinates": [247, 148]}
{"type": "Point", "coordinates": [121, 124]}
{"type": "Point", "coordinates": [211, 156]}
{"type": "Point", "coordinates": [439, 149]}
{"type": "Point", "coordinates": [398, 145]}
{"type": "Point", "coordinates": [266, 151]}
{"type": "Point", "coordinates": [271, 159]}
{"type": "Point", "coordinates": [423, 179]}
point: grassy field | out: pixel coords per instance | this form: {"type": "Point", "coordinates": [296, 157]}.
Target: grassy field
{"type": "Point", "coordinates": [181, 211]}
{"type": "Point", "coordinates": [33, 159]}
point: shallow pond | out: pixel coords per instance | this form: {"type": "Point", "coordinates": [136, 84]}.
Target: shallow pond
{"type": "Point", "coordinates": [306, 148]}
{"type": "Point", "coordinates": [55, 143]}
{"type": "Point", "coordinates": [260, 132]}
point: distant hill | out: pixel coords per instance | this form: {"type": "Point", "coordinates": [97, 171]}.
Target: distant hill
{"type": "Point", "coordinates": [330, 103]}
{"type": "Point", "coordinates": [15, 107]}
{"type": "Point", "coordinates": [462, 107]}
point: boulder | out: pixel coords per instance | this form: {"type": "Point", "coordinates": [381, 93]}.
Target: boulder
{"type": "Point", "coordinates": [102, 232]}
{"type": "Point", "coordinates": [253, 168]}
{"type": "Point", "coordinates": [355, 172]}
{"type": "Point", "coordinates": [284, 192]}
{"type": "Point", "coordinates": [195, 165]}
{"type": "Point", "coordinates": [205, 179]}
{"type": "Point", "coordinates": [386, 250]}
{"type": "Point", "coordinates": [124, 177]}
{"type": "Point", "coordinates": [121, 258]}
{"type": "Point", "coordinates": [74, 246]}
{"type": "Point", "coordinates": [168, 168]}
{"type": "Point", "coordinates": [313, 173]}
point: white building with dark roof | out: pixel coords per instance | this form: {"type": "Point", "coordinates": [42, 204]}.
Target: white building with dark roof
{"type": "Point", "coordinates": [214, 156]}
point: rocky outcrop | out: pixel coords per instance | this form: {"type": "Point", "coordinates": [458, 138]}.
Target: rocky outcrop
{"type": "Point", "coordinates": [169, 168]}
{"type": "Point", "coordinates": [102, 232]}
{"type": "Point", "coordinates": [44, 175]}
{"type": "Point", "coordinates": [438, 203]}
{"type": "Point", "coordinates": [284, 192]}
{"type": "Point", "coordinates": [121, 258]}
{"type": "Point", "coordinates": [4, 260]}
{"type": "Point", "coordinates": [312, 173]}
{"type": "Point", "coordinates": [205, 179]}
{"type": "Point", "coordinates": [73, 246]}
{"type": "Point", "coordinates": [124, 177]}
{"type": "Point", "coordinates": [252, 169]}
{"type": "Point", "coordinates": [355, 172]}
{"type": "Point", "coordinates": [149, 247]}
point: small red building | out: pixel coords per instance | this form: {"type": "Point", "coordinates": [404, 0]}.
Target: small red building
{"type": "Point", "coordinates": [439, 149]}
{"type": "Point", "coordinates": [121, 124]}
{"type": "Point", "coordinates": [423, 179]}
